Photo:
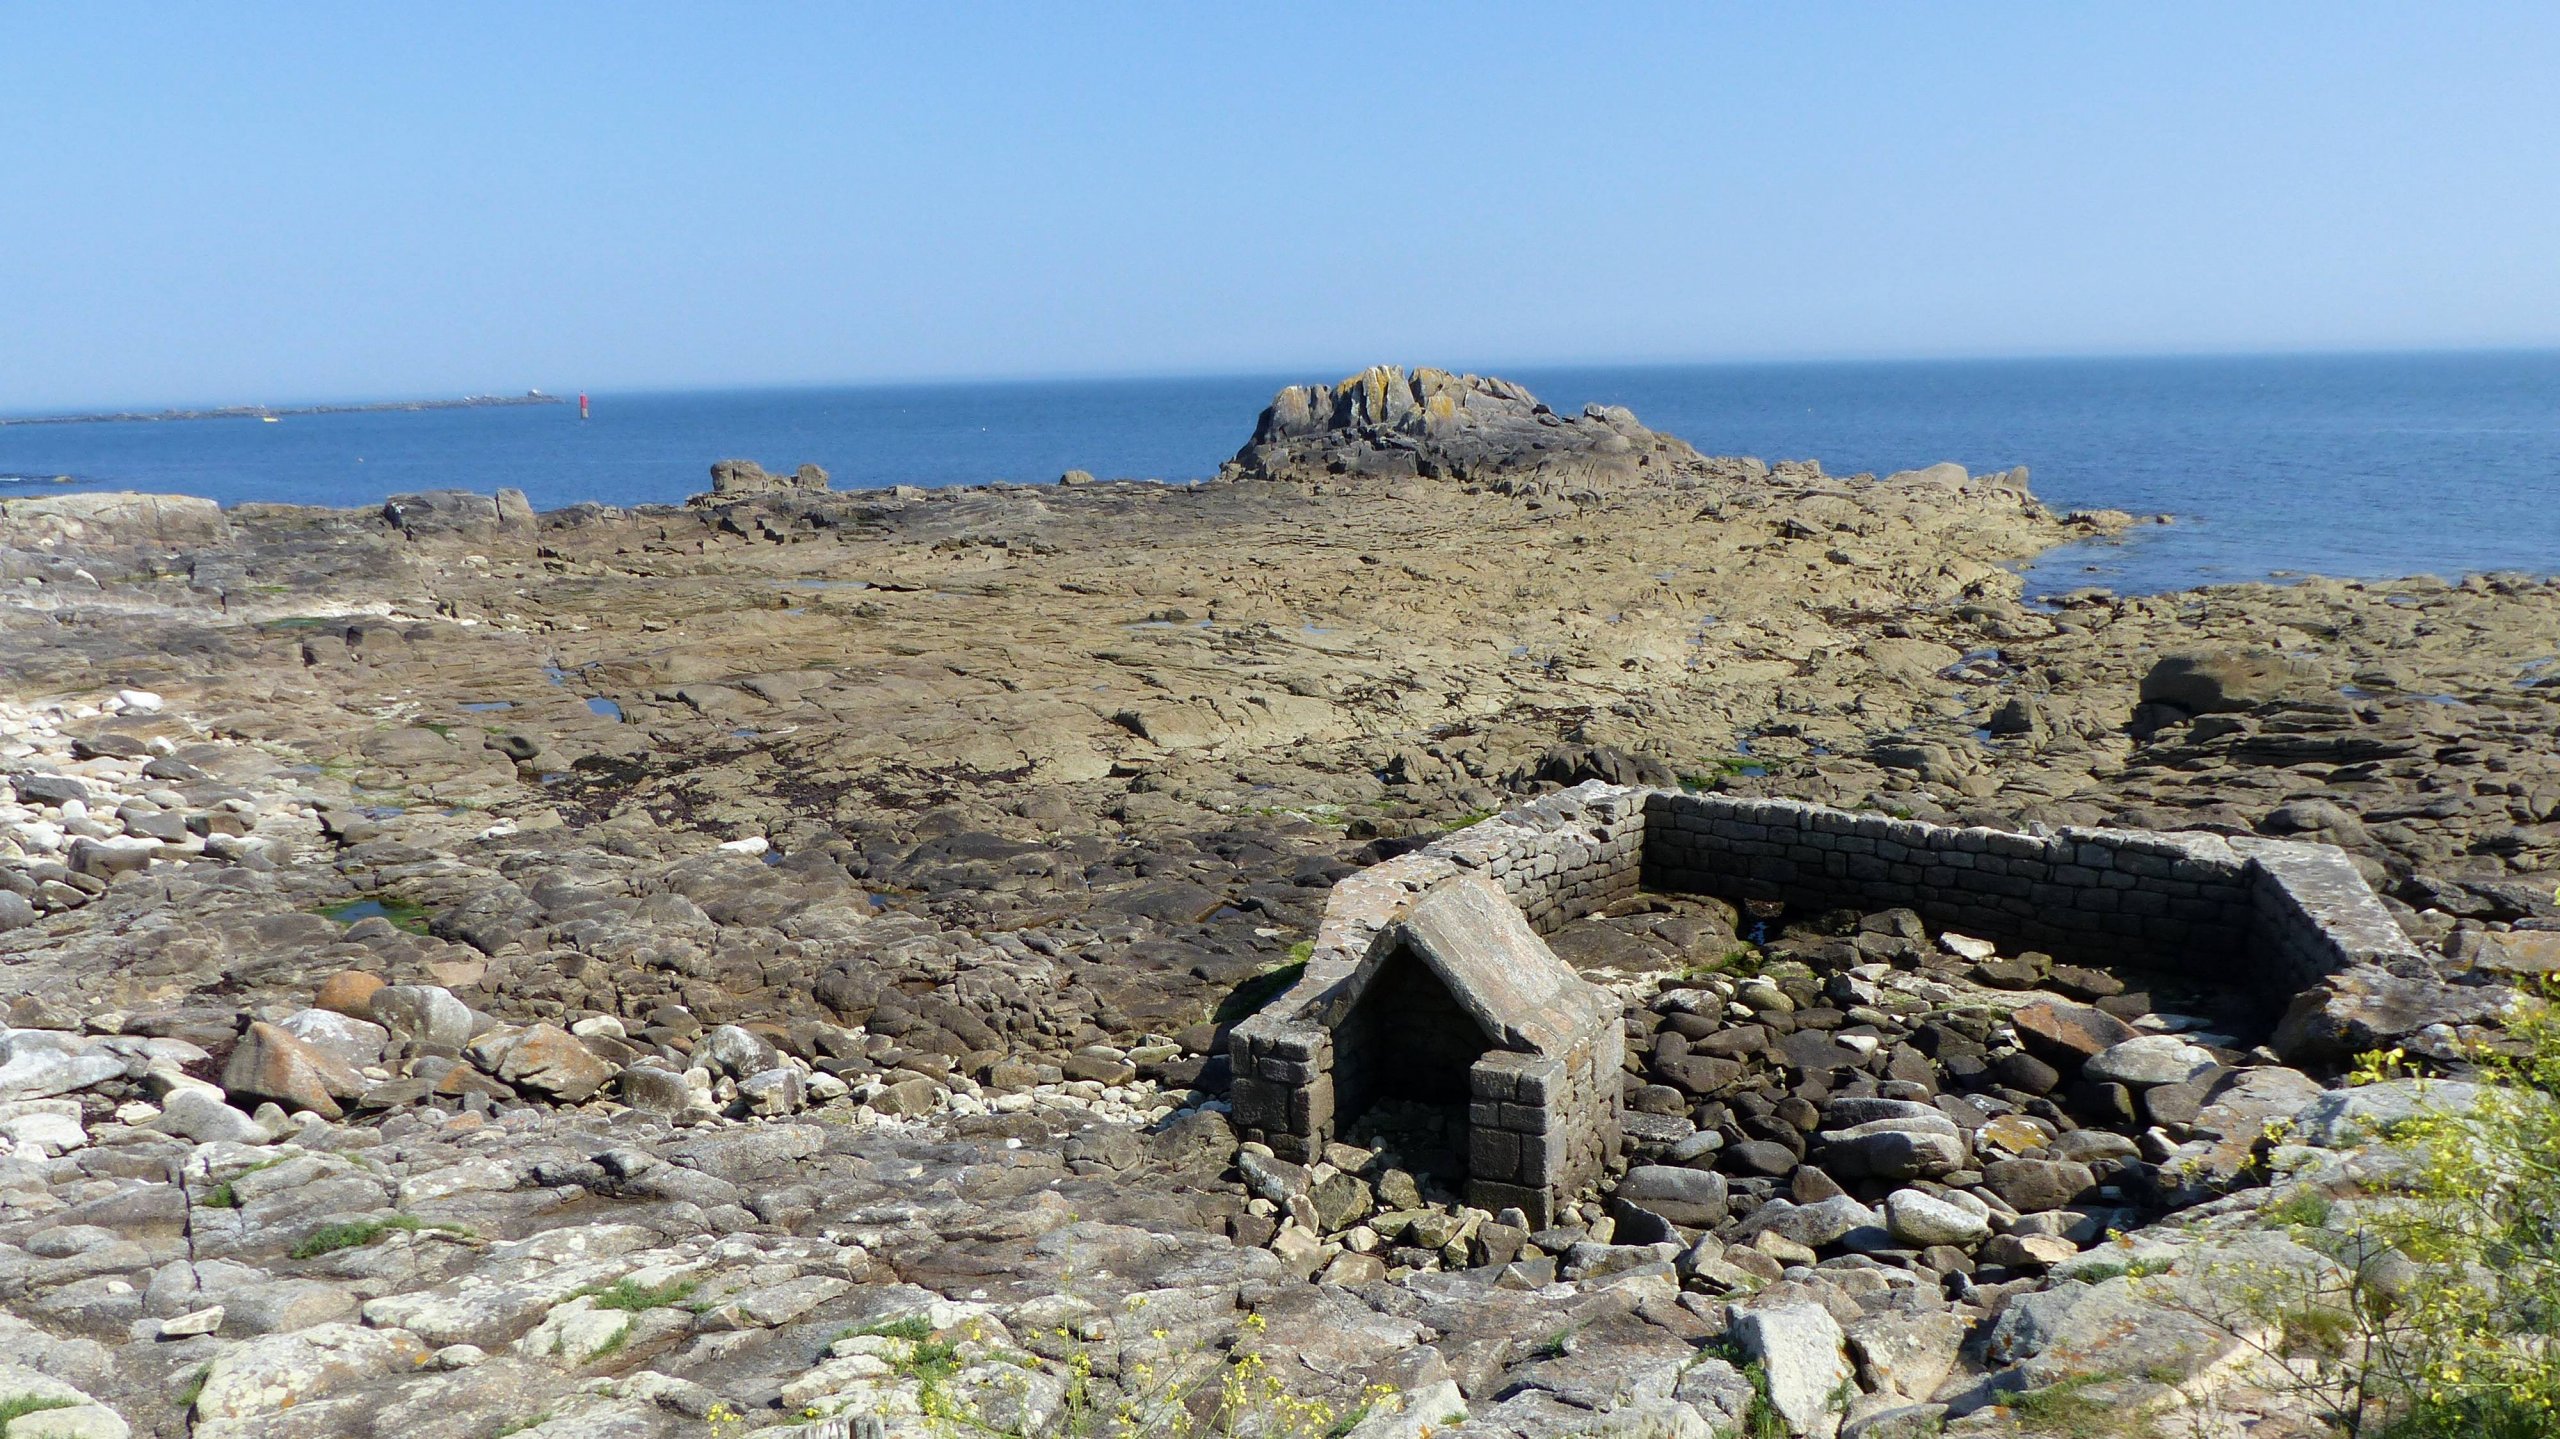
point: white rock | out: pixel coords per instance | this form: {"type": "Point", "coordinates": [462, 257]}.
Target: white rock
{"type": "Point", "coordinates": [2150, 1059]}
{"type": "Point", "coordinates": [1920, 1220]}
{"type": "Point", "coordinates": [277, 1372]}
{"type": "Point", "coordinates": [1416, 1414]}
{"type": "Point", "coordinates": [1907, 1354]}
{"type": "Point", "coordinates": [106, 858]}
{"type": "Point", "coordinates": [752, 844]}
{"type": "Point", "coordinates": [358, 1042]}
{"type": "Point", "coordinates": [47, 1130]}
{"type": "Point", "coordinates": [39, 1063]}
{"type": "Point", "coordinates": [187, 1326]}
{"type": "Point", "coordinates": [1966, 946]}
{"type": "Point", "coordinates": [2341, 1118]}
{"type": "Point", "coordinates": [1798, 1346]}
{"type": "Point", "coordinates": [139, 701]}
{"type": "Point", "coordinates": [476, 1175]}
{"type": "Point", "coordinates": [575, 1332]}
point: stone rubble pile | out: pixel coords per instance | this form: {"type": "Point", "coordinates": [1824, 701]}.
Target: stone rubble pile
{"type": "Point", "coordinates": [79, 811]}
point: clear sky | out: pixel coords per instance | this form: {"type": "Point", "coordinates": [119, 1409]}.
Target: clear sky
{"type": "Point", "coordinates": [263, 202]}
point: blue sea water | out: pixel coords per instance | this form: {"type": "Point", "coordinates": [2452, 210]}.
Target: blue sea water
{"type": "Point", "coordinates": [2360, 465]}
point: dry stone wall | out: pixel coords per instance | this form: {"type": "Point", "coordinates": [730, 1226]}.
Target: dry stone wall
{"type": "Point", "coordinates": [2271, 914]}
{"type": "Point", "coordinates": [2274, 915]}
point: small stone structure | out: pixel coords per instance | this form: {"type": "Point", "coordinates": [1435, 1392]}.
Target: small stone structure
{"type": "Point", "coordinates": [1406, 945]}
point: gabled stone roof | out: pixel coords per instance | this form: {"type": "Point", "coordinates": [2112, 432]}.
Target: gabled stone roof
{"type": "Point", "coordinates": [1475, 940]}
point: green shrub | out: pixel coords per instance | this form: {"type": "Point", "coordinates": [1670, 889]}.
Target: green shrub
{"type": "Point", "coordinates": [913, 1327]}
{"type": "Point", "coordinates": [2065, 1409]}
{"type": "Point", "coordinates": [19, 1406]}
{"type": "Point", "coordinates": [2472, 1342]}
{"type": "Point", "coordinates": [355, 1234]}
{"type": "Point", "coordinates": [2303, 1209]}
{"type": "Point", "coordinates": [625, 1295]}
{"type": "Point", "coordinates": [223, 1196]}
{"type": "Point", "coordinates": [2441, 1315]}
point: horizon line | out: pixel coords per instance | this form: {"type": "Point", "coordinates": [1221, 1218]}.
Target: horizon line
{"type": "Point", "coordinates": [107, 409]}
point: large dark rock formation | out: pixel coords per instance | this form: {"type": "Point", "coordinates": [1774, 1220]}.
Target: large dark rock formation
{"type": "Point", "coordinates": [1384, 423]}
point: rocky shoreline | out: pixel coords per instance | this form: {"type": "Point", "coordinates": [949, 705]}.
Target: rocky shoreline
{"type": "Point", "coordinates": [476, 971]}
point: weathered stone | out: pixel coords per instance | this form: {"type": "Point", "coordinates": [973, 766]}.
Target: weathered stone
{"type": "Point", "coordinates": [2343, 1118]}
{"type": "Point", "coordinates": [1811, 1225]}
{"type": "Point", "coordinates": [1694, 1197]}
{"type": "Point", "coordinates": [107, 858]}
{"type": "Point", "coordinates": [736, 1052]}
{"type": "Point", "coordinates": [1920, 1220]}
{"type": "Point", "coordinates": [349, 992]}
{"type": "Point", "coordinates": [551, 1062]}
{"type": "Point", "coordinates": [198, 1112]}
{"type": "Point", "coordinates": [270, 1064]}
{"type": "Point", "coordinates": [2068, 1035]}
{"type": "Point", "coordinates": [2029, 1185]}
{"type": "Point", "coordinates": [774, 1092]}
{"type": "Point", "coordinates": [1798, 1347]}
{"type": "Point", "coordinates": [37, 1063]}
{"type": "Point", "coordinates": [349, 1040]}
{"type": "Point", "coordinates": [651, 1088]}
{"type": "Point", "coordinates": [1886, 1149]}
{"type": "Point", "coordinates": [1381, 423]}
{"type": "Point", "coordinates": [2149, 1059]}
{"type": "Point", "coordinates": [283, 1371]}
{"type": "Point", "coordinates": [2365, 1008]}
{"type": "Point", "coordinates": [2028, 1251]}
{"type": "Point", "coordinates": [2217, 681]}
{"type": "Point", "coordinates": [418, 1014]}
{"type": "Point", "coordinates": [1906, 1354]}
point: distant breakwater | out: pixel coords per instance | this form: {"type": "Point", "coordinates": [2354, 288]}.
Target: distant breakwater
{"type": "Point", "coordinates": [269, 412]}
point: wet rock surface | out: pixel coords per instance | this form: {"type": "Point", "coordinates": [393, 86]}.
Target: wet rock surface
{"type": "Point", "coordinates": [474, 972]}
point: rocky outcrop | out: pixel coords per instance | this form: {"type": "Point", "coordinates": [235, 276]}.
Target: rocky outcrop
{"type": "Point", "coordinates": [2222, 681]}
{"type": "Point", "coordinates": [1383, 423]}
{"type": "Point", "coordinates": [745, 479]}
{"type": "Point", "coordinates": [459, 512]}
{"type": "Point", "coordinates": [112, 520]}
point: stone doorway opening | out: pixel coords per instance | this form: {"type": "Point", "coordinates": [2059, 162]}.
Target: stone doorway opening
{"type": "Point", "coordinates": [1404, 1054]}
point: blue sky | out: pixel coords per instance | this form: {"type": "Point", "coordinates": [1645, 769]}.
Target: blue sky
{"type": "Point", "coordinates": [266, 202]}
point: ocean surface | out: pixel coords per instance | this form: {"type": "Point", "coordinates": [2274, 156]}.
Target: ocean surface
{"type": "Point", "coordinates": [2371, 465]}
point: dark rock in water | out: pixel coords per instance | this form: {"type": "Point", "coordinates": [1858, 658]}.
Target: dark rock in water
{"type": "Point", "coordinates": [1383, 423]}
{"type": "Point", "coordinates": [2215, 681]}
{"type": "Point", "coordinates": [736, 479]}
